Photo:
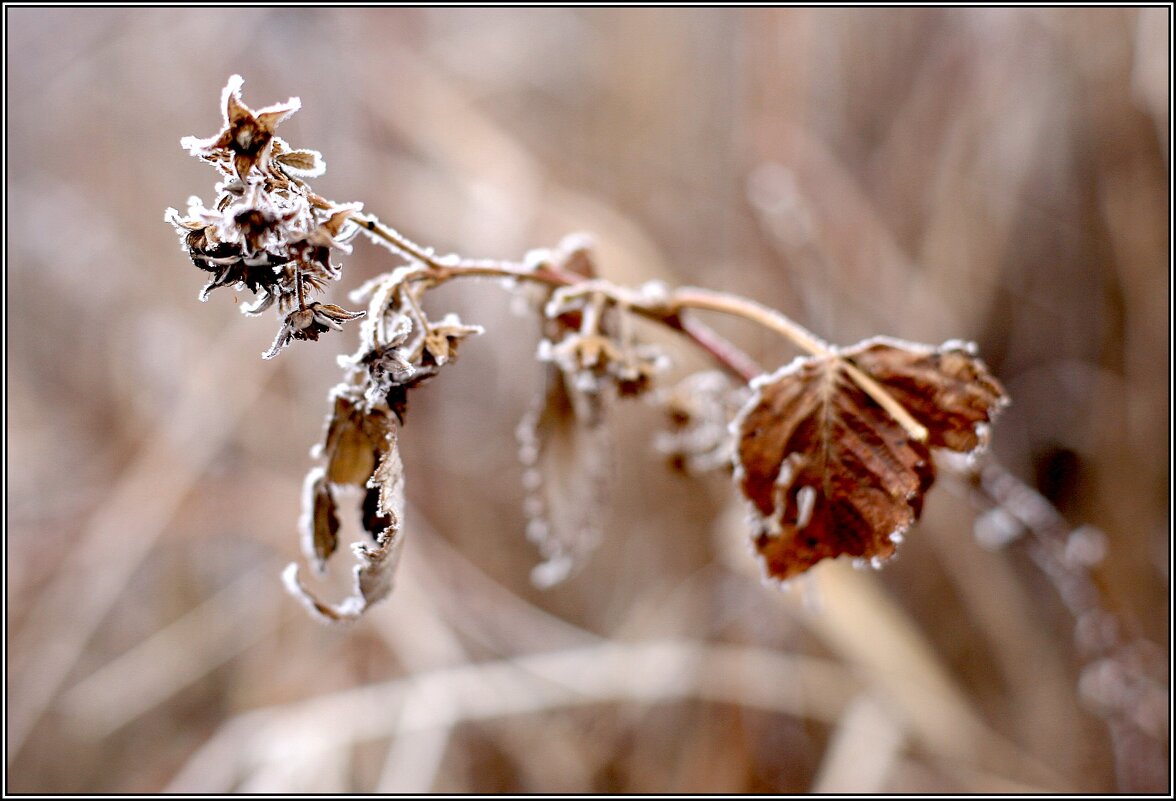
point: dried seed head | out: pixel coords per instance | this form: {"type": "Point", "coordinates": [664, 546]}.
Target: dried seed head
{"type": "Point", "coordinates": [359, 449]}
{"type": "Point", "coordinates": [244, 141]}
{"type": "Point", "coordinates": [267, 231]}
{"type": "Point", "coordinates": [308, 323]}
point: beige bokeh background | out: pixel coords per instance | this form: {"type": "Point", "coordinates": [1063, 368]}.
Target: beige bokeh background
{"type": "Point", "coordinates": [992, 174]}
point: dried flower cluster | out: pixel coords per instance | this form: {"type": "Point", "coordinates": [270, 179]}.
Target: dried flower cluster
{"type": "Point", "coordinates": [266, 231]}
{"type": "Point", "coordinates": [832, 453]}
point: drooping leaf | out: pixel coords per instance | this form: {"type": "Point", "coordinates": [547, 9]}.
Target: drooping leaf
{"type": "Point", "coordinates": [356, 437]}
{"type": "Point", "coordinates": [388, 481]}
{"type": "Point", "coordinates": [828, 471]}
{"type": "Point", "coordinates": [373, 578]}
{"type": "Point", "coordinates": [320, 519]}
{"type": "Point", "coordinates": [374, 575]}
{"type": "Point", "coordinates": [564, 448]}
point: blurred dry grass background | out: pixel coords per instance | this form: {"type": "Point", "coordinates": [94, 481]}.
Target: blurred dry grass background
{"type": "Point", "coordinates": [993, 174]}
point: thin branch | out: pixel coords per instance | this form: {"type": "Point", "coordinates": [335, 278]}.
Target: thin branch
{"type": "Point", "coordinates": [445, 269]}
{"type": "Point", "coordinates": [667, 313]}
{"type": "Point", "coordinates": [720, 348]}
{"type": "Point", "coordinates": [694, 298]}
{"type": "Point", "coordinates": [771, 319]}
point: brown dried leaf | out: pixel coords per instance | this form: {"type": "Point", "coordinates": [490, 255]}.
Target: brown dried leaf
{"type": "Point", "coordinates": [320, 519]}
{"type": "Point", "coordinates": [373, 580]}
{"type": "Point", "coordinates": [373, 576]}
{"type": "Point", "coordinates": [947, 389]}
{"type": "Point", "coordinates": [829, 472]}
{"type": "Point", "coordinates": [356, 436]}
{"type": "Point", "coordinates": [303, 163]}
{"type": "Point", "coordinates": [388, 481]}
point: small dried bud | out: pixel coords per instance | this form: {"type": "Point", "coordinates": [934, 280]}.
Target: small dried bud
{"type": "Point", "coordinates": [442, 339]}
{"type": "Point", "coordinates": [247, 134]}
{"type": "Point", "coordinates": [308, 323]}
{"type": "Point", "coordinates": [595, 360]}
{"type": "Point", "coordinates": [699, 410]}
{"type": "Point", "coordinates": [400, 348]}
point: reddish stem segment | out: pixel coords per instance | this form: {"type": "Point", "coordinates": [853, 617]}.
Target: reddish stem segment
{"type": "Point", "coordinates": [665, 311]}
{"type": "Point", "coordinates": [724, 352]}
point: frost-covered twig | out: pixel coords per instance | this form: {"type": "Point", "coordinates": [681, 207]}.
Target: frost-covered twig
{"type": "Point", "coordinates": [831, 452]}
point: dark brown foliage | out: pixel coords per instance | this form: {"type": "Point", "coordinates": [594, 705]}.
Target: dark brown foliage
{"type": "Point", "coordinates": [359, 449]}
{"type": "Point", "coordinates": [829, 472]}
{"type": "Point", "coordinates": [324, 518]}
{"type": "Point", "coordinates": [356, 438]}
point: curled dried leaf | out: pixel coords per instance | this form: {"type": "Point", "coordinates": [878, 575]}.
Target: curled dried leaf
{"type": "Point", "coordinates": [388, 481]}
{"type": "Point", "coordinates": [827, 471]}
{"type": "Point", "coordinates": [356, 437]}
{"type": "Point", "coordinates": [564, 447]}
{"type": "Point", "coordinates": [383, 505]}
{"type": "Point", "coordinates": [320, 519]}
{"type": "Point", "coordinates": [373, 578]}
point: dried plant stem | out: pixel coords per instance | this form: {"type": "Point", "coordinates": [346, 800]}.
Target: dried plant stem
{"type": "Point", "coordinates": [441, 270]}
{"type": "Point", "coordinates": [694, 298]}
{"type": "Point", "coordinates": [298, 285]}
{"type": "Point", "coordinates": [668, 313]}
{"type": "Point", "coordinates": [804, 339]}
{"type": "Point", "coordinates": [444, 269]}
{"type": "Point", "coordinates": [721, 349]}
